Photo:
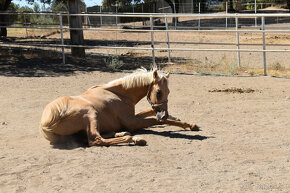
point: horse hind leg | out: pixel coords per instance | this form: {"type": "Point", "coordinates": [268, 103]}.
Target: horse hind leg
{"type": "Point", "coordinates": [99, 141]}
{"type": "Point", "coordinates": [135, 140]}
{"type": "Point", "coordinates": [139, 141]}
{"type": "Point", "coordinates": [94, 136]}
{"type": "Point", "coordinates": [112, 134]}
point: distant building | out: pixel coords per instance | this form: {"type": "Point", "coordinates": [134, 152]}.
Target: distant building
{"type": "Point", "coordinates": [187, 6]}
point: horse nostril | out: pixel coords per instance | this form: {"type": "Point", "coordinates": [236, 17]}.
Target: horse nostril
{"type": "Point", "coordinates": [164, 117]}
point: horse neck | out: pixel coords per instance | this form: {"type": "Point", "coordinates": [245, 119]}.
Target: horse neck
{"type": "Point", "coordinates": [133, 94]}
{"type": "Point", "coordinates": [138, 93]}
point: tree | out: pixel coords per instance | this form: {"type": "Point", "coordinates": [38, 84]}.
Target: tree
{"type": "Point", "coordinates": [288, 4]}
{"type": "Point", "coordinates": [76, 36]}
{"type": "Point", "coordinates": [174, 5]}
{"type": "Point", "coordinates": [4, 5]}
{"type": "Point", "coordinates": [59, 6]}
{"type": "Point", "coordinates": [24, 19]}
{"type": "Point", "coordinates": [230, 5]}
{"type": "Point", "coordinates": [36, 8]}
{"type": "Point", "coordinates": [6, 20]}
{"type": "Point", "coordinates": [62, 6]}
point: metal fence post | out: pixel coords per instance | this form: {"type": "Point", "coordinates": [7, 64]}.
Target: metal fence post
{"type": "Point", "coordinates": [101, 16]}
{"type": "Point", "coordinates": [255, 13]}
{"type": "Point", "coordinates": [175, 19]}
{"type": "Point", "coordinates": [226, 14]}
{"type": "Point", "coordinates": [152, 41]}
{"type": "Point", "coordinates": [191, 6]}
{"type": "Point", "coordinates": [167, 39]}
{"type": "Point", "coordinates": [116, 14]}
{"type": "Point", "coordinates": [264, 46]}
{"type": "Point", "coordinates": [25, 26]}
{"type": "Point", "coordinates": [62, 41]}
{"type": "Point", "coordinates": [199, 16]}
{"type": "Point", "coordinates": [238, 42]}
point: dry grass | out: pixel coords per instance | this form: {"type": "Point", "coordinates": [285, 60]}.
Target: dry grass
{"type": "Point", "coordinates": [192, 62]}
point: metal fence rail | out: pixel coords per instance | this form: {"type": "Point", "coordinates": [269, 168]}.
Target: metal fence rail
{"type": "Point", "coordinates": [167, 28]}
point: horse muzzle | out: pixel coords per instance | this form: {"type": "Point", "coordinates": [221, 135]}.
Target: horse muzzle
{"type": "Point", "coordinates": [161, 115]}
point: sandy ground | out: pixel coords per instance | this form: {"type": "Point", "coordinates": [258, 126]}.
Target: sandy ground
{"type": "Point", "coordinates": [243, 146]}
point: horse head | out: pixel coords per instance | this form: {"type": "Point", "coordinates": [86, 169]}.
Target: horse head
{"type": "Point", "coordinates": [157, 95]}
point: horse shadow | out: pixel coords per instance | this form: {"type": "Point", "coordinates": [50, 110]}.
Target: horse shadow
{"type": "Point", "coordinates": [70, 142]}
{"type": "Point", "coordinates": [79, 140]}
{"type": "Point", "coordinates": [173, 134]}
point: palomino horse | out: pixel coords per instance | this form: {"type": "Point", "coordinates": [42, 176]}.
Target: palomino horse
{"type": "Point", "coordinates": [109, 109]}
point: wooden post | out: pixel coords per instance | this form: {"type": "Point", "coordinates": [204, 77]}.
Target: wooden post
{"type": "Point", "coordinates": [76, 36]}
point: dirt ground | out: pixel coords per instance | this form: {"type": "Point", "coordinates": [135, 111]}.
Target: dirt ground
{"type": "Point", "coordinates": [243, 146]}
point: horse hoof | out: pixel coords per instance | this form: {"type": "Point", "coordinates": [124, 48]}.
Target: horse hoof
{"type": "Point", "coordinates": [139, 141]}
{"type": "Point", "coordinates": [173, 118]}
{"type": "Point", "coordinates": [122, 134]}
{"type": "Point", "coordinates": [194, 127]}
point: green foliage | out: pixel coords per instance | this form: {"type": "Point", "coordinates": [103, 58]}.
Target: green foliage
{"type": "Point", "coordinates": [9, 19]}
{"type": "Point", "coordinates": [127, 5]}
{"type": "Point", "coordinates": [62, 6]}
{"type": "Point", "coordinates": [277, 66]}
{"type": "Point", "coordinates": [59, 6]}
{"type": "Point", "coordinates": [113, 63]}
{"type": "Point", "coordinates": [25, 18]}
{"type": "Point", "coordinates": [249, 4]}
{"type": "Point", "coordinates": [36, 8]}
{"type": "Point", "coordinates": [33, 19]}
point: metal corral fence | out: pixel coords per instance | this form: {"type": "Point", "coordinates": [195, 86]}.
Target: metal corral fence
{"type": "Point", "coordinates": [156, 23]}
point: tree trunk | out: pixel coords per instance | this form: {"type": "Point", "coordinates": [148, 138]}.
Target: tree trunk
{"type": "Point", "coordinates": [76, 36]}
{"type": "Point", "coordinates": [174, 7]}
{"type": "Point", "coordinates": [238, 5]}
{"type": "Point", "coordinates": [203, 7]}
{"type": "Point", "coordinates": [3, 19]}
{"type": "Point", "coordinates": [231, 6]}
{"type": "Point", "coordinates": [3, 32]}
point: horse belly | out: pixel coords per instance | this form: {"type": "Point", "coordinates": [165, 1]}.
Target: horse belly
{"type": "Point", "coordinates": [107, 123]}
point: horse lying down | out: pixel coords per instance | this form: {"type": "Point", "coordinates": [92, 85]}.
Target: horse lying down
{"type": "Point", "coordinates": [108, 109]}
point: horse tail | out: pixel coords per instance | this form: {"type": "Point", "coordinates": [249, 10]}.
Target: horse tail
{"type": "Point", "coordinates": [53, 113]}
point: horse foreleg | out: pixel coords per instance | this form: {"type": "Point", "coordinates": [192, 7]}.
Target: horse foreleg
{"type": "Point", "coordinates": [146, 113]}
{"type": "Point", "coordinates": [151, 112]}
{"type": "Point", "coordinates": [170, 121]}
{"type": "Point", "coordinates": [134, 123]}
{"type": "Point", "coordinates": [182, 124]}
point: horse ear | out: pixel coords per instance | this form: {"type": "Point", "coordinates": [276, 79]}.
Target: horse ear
{"type": "Point", "coordinates": [167, 75]}
{"type": "Point", "coordinates": [155, 75]}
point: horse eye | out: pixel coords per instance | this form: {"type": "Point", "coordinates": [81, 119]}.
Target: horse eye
{"type": "Point", "coordinates": [159, 94]}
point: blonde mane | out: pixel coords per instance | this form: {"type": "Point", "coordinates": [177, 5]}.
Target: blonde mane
{"type": "Point", "coordinates": [141, 77]}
